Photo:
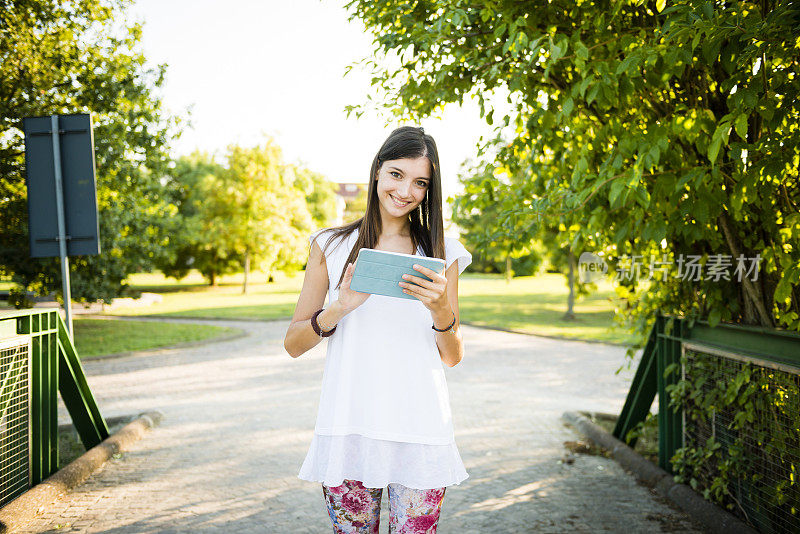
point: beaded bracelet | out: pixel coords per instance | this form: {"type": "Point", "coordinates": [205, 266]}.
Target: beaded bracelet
{"type": "Point", "coordinates": [449, 328]}
{"type": "Point", "coordinates": [316, 327]}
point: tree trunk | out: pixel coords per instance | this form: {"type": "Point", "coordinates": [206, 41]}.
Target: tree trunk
{"type": "Point", "coordinates": [246, 271]}
{"type": "Point", "coordinates": [751, 290]}
{"type": "Point", "coordinates": [570, 315]}
{"type": "Point", "coordinates": [212, 279]}
{"type": "Point", "coordinates": [508, 267]}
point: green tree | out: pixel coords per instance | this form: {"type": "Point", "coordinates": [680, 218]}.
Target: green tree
{"type": "Point", "coordinates": [85, 57]}
{"type": "Point", "coordinates": [320, 193]}
{"type": "Point", "coordinates": [673, 129]}
{"type": "Point", "coordinates": [252, 210]}
{"type": "Point", "coordinates": [501, 230]}
{"type": "Point", "coordinates": [267, 217]}
{"type": "Point", "coordinates": [355, 209]}
{"type": "Point", "coordinates": [194, 186]}
{"type": "Point", "coordinates": [481, 210]}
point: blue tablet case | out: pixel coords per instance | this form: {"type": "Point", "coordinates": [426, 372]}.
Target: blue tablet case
{"type": "Point", "coordinates": [380, 272]}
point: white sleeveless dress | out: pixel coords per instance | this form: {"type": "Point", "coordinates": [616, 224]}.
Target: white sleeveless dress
{"type": "Point", "coordinates": [384, 411]}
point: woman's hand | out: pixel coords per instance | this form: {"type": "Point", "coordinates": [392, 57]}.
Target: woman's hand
{"type": "Point", "coordinates": [348, 298]}
{"type": "Point", "coordinates": [433, 294]}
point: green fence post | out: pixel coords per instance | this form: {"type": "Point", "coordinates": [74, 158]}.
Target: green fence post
{"type": "Point", "coordinates": [673, 415]}
{"type": "Point", "coordinates": [661, 326]}
{"type": "Point", "coordinates": [76, 394]}
{"type": "Point", "coordinates": [643, 390]}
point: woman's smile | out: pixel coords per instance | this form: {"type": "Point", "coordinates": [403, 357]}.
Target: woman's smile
{"type": "Point", "coordinates": [398, 203]}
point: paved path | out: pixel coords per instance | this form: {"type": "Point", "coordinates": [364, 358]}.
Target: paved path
{"type": "Point", "coordinates": [239, 416]}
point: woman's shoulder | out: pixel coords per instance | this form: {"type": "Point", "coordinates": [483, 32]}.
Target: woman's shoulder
{"type": "Point", "coordinates": [326, 238]}
{"type": "Point", "coordinates": [324, 233]}
{"type": "Point", "coordinates": [453, 243]}
{"type": "Point", "coordinates": [320, 235]}
{"type": "Point", "coordinates": [319, 232]}
{"type": "Point", "coordinates": [455, 250]}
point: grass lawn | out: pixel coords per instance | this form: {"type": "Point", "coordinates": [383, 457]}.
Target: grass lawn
{"type": "Point", "coordinates": [94, 337]}
{"type": "Point", "coordinates": [536, 305]}
{"type": "Point", "coordinates": [191, 297]}
{"type": "Point", "coordinates": [531, 304]}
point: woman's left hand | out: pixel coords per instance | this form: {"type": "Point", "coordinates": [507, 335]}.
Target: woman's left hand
{"type": "Point", "coordinates": [433, 294]}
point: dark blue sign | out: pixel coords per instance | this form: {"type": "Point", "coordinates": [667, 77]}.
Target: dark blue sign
{"type": "Point", "coordinates": [76, 142]}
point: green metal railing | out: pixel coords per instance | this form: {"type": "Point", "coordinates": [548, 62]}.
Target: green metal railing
{"type": "Point", "coordinates": [767, 495]}
{"type": "Point", "coordinates": [15, 431]}
{"type": "Point", "coordinates": [54, 366]}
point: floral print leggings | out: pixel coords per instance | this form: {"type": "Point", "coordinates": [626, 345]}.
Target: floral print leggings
{"type": "Point", "coordinates": [355, 509]}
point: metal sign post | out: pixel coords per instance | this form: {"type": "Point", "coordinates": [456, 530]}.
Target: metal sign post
{"type": "Point", "coordinates": [62, 234]}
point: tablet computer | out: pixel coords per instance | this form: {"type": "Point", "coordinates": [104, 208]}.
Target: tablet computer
{"type": "Point", "coordinates": [380, 272]}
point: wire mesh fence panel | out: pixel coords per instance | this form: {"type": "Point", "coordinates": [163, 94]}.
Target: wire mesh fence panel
{"type": "Point", "coordinates": [15, 424]}
{"type": "Point", "coordinates": [741, 436]}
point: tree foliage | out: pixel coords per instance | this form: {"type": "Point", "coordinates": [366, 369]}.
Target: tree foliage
{"type": "Point", "coordinates": [483, 206]}
{"type": "Point", "coordinates": [659, 128]}
{"type": "Point", "coordinates": [84, 57]}
{"type": "Point", "coordinates": [268, 218]}
{"type": "Point", "coordinates": [253, 209]}
{"type": "Point", "coordinates": [193, 187]}
{"type": "Point", "coordinates": [320, 193]}
{"type": "Point", "coordinates": [356, 208]}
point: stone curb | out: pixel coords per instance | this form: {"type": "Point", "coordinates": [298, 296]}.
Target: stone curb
{"type": "Point", "coordinates": [717, 520]}
{"type": "Point", "coordinates": [24, 508]}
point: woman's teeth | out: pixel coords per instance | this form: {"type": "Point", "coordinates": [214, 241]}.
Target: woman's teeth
{"type": "Point", "coordinates": [398, 203]}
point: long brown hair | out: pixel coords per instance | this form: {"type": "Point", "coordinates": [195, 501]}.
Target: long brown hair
{"type": "Point", "coordinates": [427, 226]}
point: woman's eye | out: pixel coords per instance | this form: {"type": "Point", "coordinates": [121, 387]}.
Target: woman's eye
{"type": "Point", "coordinates": [395, 174]}
{"type": "Point", "coordinates": [422, 183]}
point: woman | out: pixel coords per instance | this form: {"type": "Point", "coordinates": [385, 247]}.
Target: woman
{"type": "Point", "coordinates": [384, 414]}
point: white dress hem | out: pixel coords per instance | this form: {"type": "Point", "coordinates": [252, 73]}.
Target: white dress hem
{"type": "Point", "coordinates": [378, 463]}
{"type": "Point", "coordinates": [386, 436]}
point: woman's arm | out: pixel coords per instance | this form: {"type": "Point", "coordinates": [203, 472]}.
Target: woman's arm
{"type": "Point", "coordinates": [300, 337]}
{"type": "Point", "coordinates": [451, 347]}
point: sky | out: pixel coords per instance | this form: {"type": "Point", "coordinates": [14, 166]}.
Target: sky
{"type": "Point", "coordinates": [248, 68]}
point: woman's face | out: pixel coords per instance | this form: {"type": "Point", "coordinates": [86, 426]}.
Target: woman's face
{"type": "Point", "coordinates": [402, 184]}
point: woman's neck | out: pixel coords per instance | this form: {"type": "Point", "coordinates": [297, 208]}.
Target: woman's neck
{"type": "Point", "coordinates": [396, 228]}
